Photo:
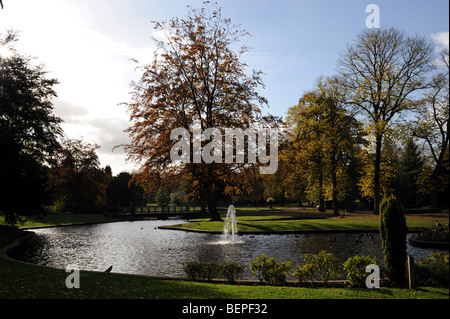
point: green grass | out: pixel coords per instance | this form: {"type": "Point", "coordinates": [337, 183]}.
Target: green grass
{"type": "Point", "coordinates": [294, 223]}
{"type": "Point", "coordinates": [61, 219]}
{"type": "Point", "coordinates": [22, 281]}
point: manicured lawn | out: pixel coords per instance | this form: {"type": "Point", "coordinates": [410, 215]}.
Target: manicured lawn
{"type": "Point", "coordinates": [286, 223]}
{"type": "Point", "coordinates": [18, 280]}
{"type": "Point", "coordinates": [27, 281]}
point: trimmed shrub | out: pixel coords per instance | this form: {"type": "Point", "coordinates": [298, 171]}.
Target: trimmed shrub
{"type": "Point", "coordinates": [194, 270]}
{"type": "Point", "coordinates": [270, 271]}
{"type": "Point", "coordinates": [393, 239]}
{"type": "Point", "coordinates": [232, 270]}
{"type": "Point", "coordinates": [356, 269]}
{"type": "Point", "coordinates": [211, 270]}
{"type": "Point", "coordinates": [197, 270]}
{"type": "Point", "coordinates": [321, 267]}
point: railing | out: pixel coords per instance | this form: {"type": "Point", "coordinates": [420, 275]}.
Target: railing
{"type": "Point", "coordinates": [164, 209]}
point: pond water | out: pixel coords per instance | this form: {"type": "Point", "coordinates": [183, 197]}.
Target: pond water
{"type": "Point", "coordinates": [139, 247]}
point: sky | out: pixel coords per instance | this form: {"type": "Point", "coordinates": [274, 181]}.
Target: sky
{"type": "Point", "coordinates": [88, 46]}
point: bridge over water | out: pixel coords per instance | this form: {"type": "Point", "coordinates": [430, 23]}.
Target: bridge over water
{"type": "Point", "coordinates": [166, 212]}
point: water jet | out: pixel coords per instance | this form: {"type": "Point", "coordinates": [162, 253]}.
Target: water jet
{"type": "Point", "coordinates": [230, 224]}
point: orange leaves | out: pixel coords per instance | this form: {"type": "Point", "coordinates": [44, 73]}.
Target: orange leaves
{"type": "Point", "coordinates": [195, 76]}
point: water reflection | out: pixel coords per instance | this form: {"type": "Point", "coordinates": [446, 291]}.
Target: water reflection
{"type": "Point", "coordinates": [139, 247]}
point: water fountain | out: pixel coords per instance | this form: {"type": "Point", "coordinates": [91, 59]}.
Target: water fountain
{"type": "Point", "coordinates": [230, 224]}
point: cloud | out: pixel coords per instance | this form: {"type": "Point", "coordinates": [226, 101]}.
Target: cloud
{"type": "Point", "coordinates": [68, 111]}
{"type": "Point", "coordinates": [442, 38]}
{"type": "Point", "coordinates": [93, 67]}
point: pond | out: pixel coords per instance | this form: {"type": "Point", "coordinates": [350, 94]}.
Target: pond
{"type": "Point", "coordinates": [139, 247]}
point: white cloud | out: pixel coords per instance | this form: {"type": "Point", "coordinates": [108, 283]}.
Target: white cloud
{"type": "Point", "coordinates": [93, 68]}
{"type": "Point", "coordinates": [441, 38]}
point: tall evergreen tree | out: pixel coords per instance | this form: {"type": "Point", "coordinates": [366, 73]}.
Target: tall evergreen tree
{"type": "Point", "coordinates": [393, 239]}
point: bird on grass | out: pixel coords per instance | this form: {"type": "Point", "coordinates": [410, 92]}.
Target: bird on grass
{"type": "Point", "coordinates": [109, 269]}
{"type": "Point", "coordinates": [438, 224]}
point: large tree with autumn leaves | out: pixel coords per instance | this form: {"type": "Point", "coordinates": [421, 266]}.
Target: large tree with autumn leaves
{"type": "Point", "coordinates": [196, 76]}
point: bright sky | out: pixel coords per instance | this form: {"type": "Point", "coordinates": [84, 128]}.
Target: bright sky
{"type": "Point", "coordinates": [87, 46]}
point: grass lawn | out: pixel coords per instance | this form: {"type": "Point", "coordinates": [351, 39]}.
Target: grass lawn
{"type": "Point", "coordinates": [305, 221]}
{"type": "Point", "coordinates": [23, 281]}
{"type": "Point", "coordinates": [62, 219]}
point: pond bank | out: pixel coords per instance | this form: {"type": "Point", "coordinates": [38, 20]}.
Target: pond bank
{"type": "Point", "coordinates": [24, 281]}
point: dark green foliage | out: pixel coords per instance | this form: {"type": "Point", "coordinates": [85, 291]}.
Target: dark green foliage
{"type": "Point", "coordinates": [433, 271]}
{"type": "Point", "coordinates": [197, 270]}
{"type": "Point", "coordinates": [321, 267]}
{"type": "Point", "coordinates": [193, 269]}
{"type": "Point", "coordinates": [393, 239]}
{"type": "Point", "coordinates": [232, 271]}
{"type": "Point", "coordinates": [211, 270]}
{"type": "Point", "coordinates": [28, 133]}
{"type": "Point", "coordinates": [356, 269]}
{"type": "Point", "coordinates": [121, 193]}
{"type": "Point", "coordinates": [410, 166]}
{"type": "Point", "coordinates": [269, 270]}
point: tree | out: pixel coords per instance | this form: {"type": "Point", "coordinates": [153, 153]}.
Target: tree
{"type": "Point", "coordinates": [383, 70]}
{"type": "Point", "coordinates": [309, 128]}
{"type": "Point", "coordinates": [388, 170]}
{"type": "Point", "coordinates": [432, 126]}
{"type": "Point", "coordinates": [411, 165]}
{"type": "Point", "coordinates": [78, 183]}
{"type": "Point", "coordinates": [121, 193]}
{"type": "Point", "coordinates": [393, 239]}
{"type": "Point", "coordinates": [28, 132]}
{"type": "Point", "coordinates": [325, 138]}
{"type": "Point", "coordinates": [343, 132]}
{"type": "Point", "coordinates": [196, 81]}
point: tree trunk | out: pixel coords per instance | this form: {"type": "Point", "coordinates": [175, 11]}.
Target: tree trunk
{"type": "Point", "coordinates": [212, 207]}
{"type": "Point", "coordinates": [435, 190]}
{"type": "Point", "coordinates": [321, 199]}
{"type": "Point", "coordinates": [377, 174]}
{"type": "Point", "coordinates": [334, 181]}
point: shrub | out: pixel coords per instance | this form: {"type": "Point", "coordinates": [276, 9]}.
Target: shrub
{"type": "Point", "coordinates": [321, 267]}
{"type": "Point", "coordinates": [232, 270]}
{"type": "Point", "coordinates": [211, 270]}
{"type": "Point", "coordinates": [197, 270]}
{"type": "Point", "coordinates": [433, 271]}
{"type": "Point", "coordinates": [194, 270]}
{"type": "Point", "coordinates": [269, 270]}
{"type": "Point", "coordinates": [356, 269]}
{"type": "Point", "coordinates": [393, 239]}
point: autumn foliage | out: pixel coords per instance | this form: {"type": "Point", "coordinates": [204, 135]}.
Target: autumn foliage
{"type": "Point", "coordinates": [196, 75]}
